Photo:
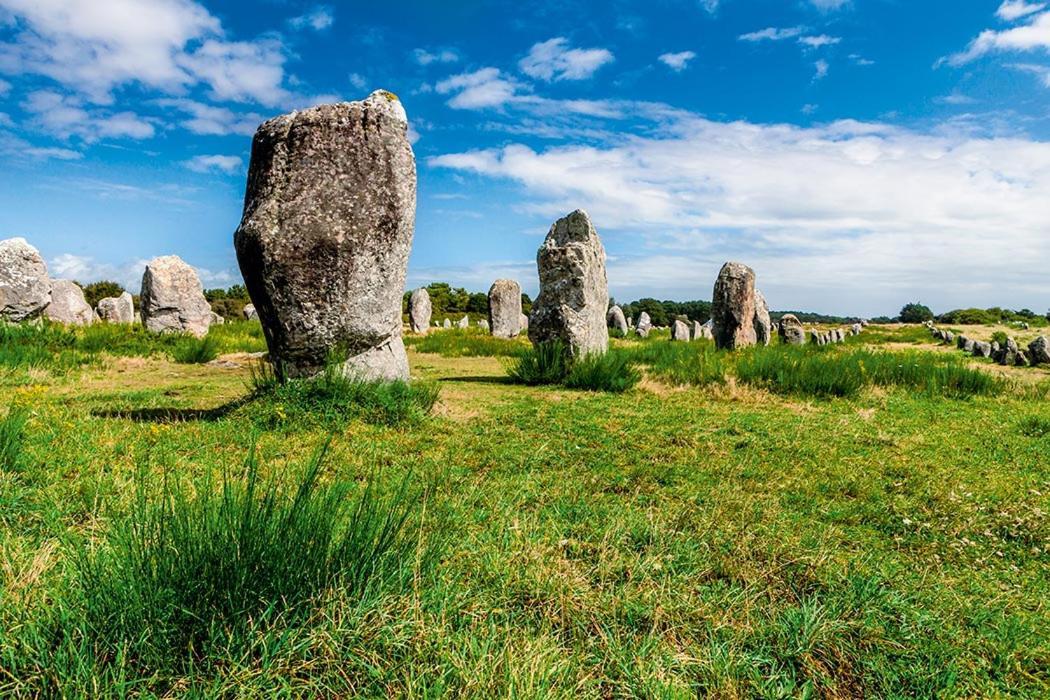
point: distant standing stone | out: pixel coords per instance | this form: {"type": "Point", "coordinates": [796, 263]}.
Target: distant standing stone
{"type": "Point", "coordinates": [616, 321]}
{"type": "Point", "coordinates": [117, 309]}
{"type": "Point", "coordinates": [816, 338]}
{"type": "Point", "coordinates": [25, 288]}
{"type": "Point", "coordinates": [505, 309]}
{"type": "Point", "coordinates": [419, 311]}
{"type": "Point", "coordinates": [679, 331]}
{"type": "Point", "coordinates": [982, 349]}
{"type": "Point", "coordinates": [645, 324]}
{"type": "Point", "coordinates": [763, 324]}
{"type": "Point", "coordinates": [483, 324]}
{"type": "Point", "coordinates": [857, 329]}
{"type": "Point", "coordinates": [326, 233]}
{"type": "Point", "coordinates": [523, 323]}
{"type": "Point", "coordinates": [698, 330]}
{"type": "Point", "coordinates": [216, 319]}
{"type": "Point", "coordinates": [1039, 351]}
{"type": "Point", "coordinates": [574, 292]}
{"type": "Point", "coordinates": [791, 330]}
{"type": "Point", "coordinates": [463, 322]}
{"type": "Point", "coordinates": [172, 298]}
{"type": "Point", "coordinates": [68, 304]}
{"type": "Point", "coordinates": [250, 314]}
{"type": "Point", "coordinates": [447, 324]}
{"type": "Point", "coordinates": [733, 307]}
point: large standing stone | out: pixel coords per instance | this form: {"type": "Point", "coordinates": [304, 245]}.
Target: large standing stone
{"type": "Point", "coordinates": [172, 298]}
{"type": "Point", "coordinates": [419, 311]}
{"type": "Point", "coordinates": [791, 330]}
{"type": "Point", "coordinates": [1039, 351]}
{"type": "Point", "coordinates": [117, 309]}
{"type": "Point", "coordinates": [679, 331]}
{"type": "Point", "coordinates": [616, 321]}
{"type": "Point", "coordinates": [68, 304]}
{"type": "Point", "coordinates": [25, 289]}
{"type": "Point", "coordinates": [763, 324]}
{"type": "Point", "coordinates": [574, 292]}
{"type": "Point", "coordinates": [733, 307]}
{"type": "Point", "coordinates": [250, 314]}
{"type": "Point", "coordinates": [645, 324]}
{"type": "Point", "coordinates": [505, 309]}
{"type": "Point", "coordinates": [323, 245]}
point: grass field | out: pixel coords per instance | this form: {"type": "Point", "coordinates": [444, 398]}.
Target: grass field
{"type": "Point", "coordinates": [863, 520]}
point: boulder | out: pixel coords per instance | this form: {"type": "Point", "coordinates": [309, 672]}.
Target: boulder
{"type": "Point", "coordinates": [698, 330]}
{"type": "Point", "coordinates": [1039, 351]}
{"type": "Point", "coordinates": [463, 322]}
{"type": "Point", "coordinates": [791, 331]}
{"type": "Point", "coordinates": [447, 324]}
{"type": "Point", "coordinates": [419, 311]}
{"type": "Point", "coordinates": [856, 329]}
{"type": "Point", "coordinates": [172, 298]}
{"type": "Point", "coordinates": [523, 323]}
{"type": "Point", "coordinates": [982, 349]}
{"type": "Point", "coordinates": [324, 241]}
{"type": "Point", "coordinates": [25, 288]}
{"type": "Point", "coordinates": [949, 337]}
{"type": "Point", "coordinates": [216, 319]}
{"type": "Point", "coordinates": [615, 320]}
{"type": "Point", "coordinates": [733, 306]}
{"type": "Point", "coordinates": [816, 338]}
{"type": "Point", "coordinates": [574, 292]}
{"type": "Point", "coordinates": [680, 331]}
{"type": "Point", "coordinates": [763, 324]}
{"type": "Point", "coordinates": [1007, 355]}
{"type": "Point", "coordinates": [1021, 359]}
{"type": "Point", "coordinates": [68, 304]}
{"type": "Point", "coordinates": [117, 309]}
{"type": "Point", "coordinates": [505, 308]}
{"type": "Point", "coordinates": [250, 314]}
{"type": "Point", "coordinates": [645, 325]}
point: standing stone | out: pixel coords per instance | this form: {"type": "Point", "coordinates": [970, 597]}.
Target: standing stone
{"type": "Point", "coordinates": [216, 319]}
{"type": "Point", "coordinates": [679, 331]}
{"type": "Point", "coordinates": [25, 289]}
{"type": "Point", "coordinates": [698, 330]}
{"type": "Point", "coordinates": [857, 329]}
{"type": "Point", "coordinates": [419, 311]}
{"type": "Point", "coordinates": [1008, 354]}
{"type": "Point", "coordinates": [733, 307]}
{"type": "Point", "coordinates": [982, 349]}
{"type": "Point", "coordinates": [816, 338]}
{"type": "Point", "coordinates": [68, 304]}
{"type": "Point", "coordinates": [250, 314]}
{"type": "Point", "coordinates": [574, 292]}
{"type": "Point", "coordinates": [483, 324]}
{"type": "Point", "coordinates": [1021, 359]}
{"type": "Point", "coordinates": [447, 324]}
{"type": "Point", "coordinates": [463, 322]}
{"type": "Point", "coordinates": [645, 324]}
{"type": "Point", "coordinates": [616, 321]}
{"type": "Point", "coordinates": [1039, 351]}
{"type": "Point", "coordinates": [172, 298]}
{"type": "Point", "coordinates": [763, 324]}
{"type": "Point", "coordinates": [505, 308]}
{"type": "Point", "coordinates": [523, 323]}
{"type": "Point", "coordinates": [791, 331]}
{"type": "Point", "coordinates": [327, 229]}
{"type": "Point", "coordinates": [117, 309]}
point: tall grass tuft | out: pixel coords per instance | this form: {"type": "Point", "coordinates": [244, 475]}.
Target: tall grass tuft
{"type": "Point", "coordinates": [12, 432]}
{"type": "Point", "coordinates": [190, 575]}
{"type": "Point", "coordinates": [334, 397]}
{"type": "Point", "coordinates": [611, 372]}
{"type": "Point", "coordinates": [195, 351]}
{"type": "Point", "coordinates": [696, 363]}
{"type": "Point", "coordinates": [544, 363]}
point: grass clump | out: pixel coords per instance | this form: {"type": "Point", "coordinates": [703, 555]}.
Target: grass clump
{"type": "Point", "coordinates": [12, 430]}
{"type": "Point", "coordinates": [1034, 426]}
{"type": "Point", "coordinates": [545, 363]}
{"type": "Point", "coordinates": [191, 577]}
{"type": "Point", "coordinates": [195, 351]}
{"type": "Point", "coordinates": [334, 397]}
{"type": "Point", "coordinates": [551, 362]}
{"type": "Point", "coordinates": [465, 342]}
{"type": "Point", "coordinates": [696, 363]}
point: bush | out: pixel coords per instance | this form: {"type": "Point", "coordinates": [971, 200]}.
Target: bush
{"type": "Point", "coordinates": [195, 351]}
{"type": "Point", "coordinates": [12, 430]}
{"type": "Point", "coordinates": [915, 313]}
{"type": "Point", "coordinates": [611, 372]}
{"type": "Point", "coordinates": [188, 576]}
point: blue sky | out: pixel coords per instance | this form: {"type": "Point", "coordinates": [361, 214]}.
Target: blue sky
{"type": "Point", "coordinates": [858, 154]}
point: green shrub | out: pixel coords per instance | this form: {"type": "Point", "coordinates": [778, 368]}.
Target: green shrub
{"type": "Point", "coordinates": [12, 431]}
{"type": "Point", "coordinates": [1000, 337]}
{"type": "Point", "coordinates": [190, 576]}
{"type": "Point", "coordinates": [465, 342]}
{"type": "Point", "coordinates": [1034, 426]}
{"type": "Point", "coordinates": [611, 371]}
{"type": "Point", "coordinates": [544, 363]}
{"type": "Point", "coordinates": [195, 351]}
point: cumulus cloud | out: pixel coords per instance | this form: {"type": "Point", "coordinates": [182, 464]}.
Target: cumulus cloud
{"type": "Point", "coordinates": [1012, 10]}
{"type": "Point", "coordinates": [553, 60]}
{"type": "Point", "coordinates": [215, 163]}
{"type": "Point", "coordinates": [877, 205]}
{"type": "Point", "coordinates": [85, 269]}
{"type": "Point", "coordinates": [425, 58]}
{"type": "Point", "coordinates": [772, 34]}
{"type": "Point", "coordinates": [208, 120]}
{"type": "Point", "coordinates": [820, 68]}
{"type": "Point", "coordinates": [64, 116]}
{"type": "Point", "coordinates": [1032, 36]}
{"type": "Point", "coordinates": [318, 18]}
{"type": "Point", "coordinates": [13, 147]}
{"type": "Point", "coordinates": [677, 61]}
{"type": "Point", "coordinates": [487, 87]}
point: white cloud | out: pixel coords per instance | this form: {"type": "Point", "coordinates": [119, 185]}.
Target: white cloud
{"type": "Point", "coordinates": [215, 163]}
{"type": "Point", "coordinates": [677, 61]}
{"type": "Point", "coordinates": [13, 147]}
{"type": "Point", "coordinates": [242, 71]}
{"type": "Point", "coordinates": [425, 58]}
{"type": "Point", "coordinates": [772, 34]}
{"type": "Point", "coordinates": [208, 120]}
{"type": "Point", "coordinates": [85, 269]}
{"type": "Point", "coordinates": [553, 60]}
{"type": "Point", "coordinates": [815, 42]}
{"type": "Point", "coordinates": [810, 108]}
{"type": "Point", "coordinates": [1027, 37]}
{"type": "Point", "coordinates": [359, 81]}
{"type": "Point", "coordinates": [825, 5]}
{"type": "Point", "coordinates": [820, 69]}
{"type": "Point", "coordinates": [318, 18]}
{"type": "Point", "coordinates": [878, 206]}
{"type": "Point", "coordinates": [860, 60]}
{"type": "Point", "coordinates": [487, 87]}
{"type": "Point", "coordinates": [1012, 10]}
{"type": "Point", "coordinates": [1041, 72]}
{"type": "Point", "coordinates": [64, 116]}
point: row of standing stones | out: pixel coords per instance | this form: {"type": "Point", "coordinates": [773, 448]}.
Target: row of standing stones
{"type": "Point", "coordinates": [1006, 354]}
{"type": "Point", "coordinates": [172, 299]}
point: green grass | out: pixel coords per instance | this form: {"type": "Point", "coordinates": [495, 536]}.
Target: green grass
{"type": "Point", "coordinates": [466, 342]}
{"type": "Point", "coordinates": [12, 428]}
{"type": "Point", "coordinates": [696, 363]}
{"type": "Point", "coordinates": [545, 363]}
{"type": "Point", "coordinates": [551, 363]}
{"type": "Point", "coordinates": [1034, 426]}
{"type": "Point", "coordinates": [195, 351]}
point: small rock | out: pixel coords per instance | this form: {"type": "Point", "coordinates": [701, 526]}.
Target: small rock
{"type": "Point", "coordinates": [68, 305]}
{"type": "Point", "coordinates": [615, 320]}
{"type": "Point", "coordinates": [117, 309]}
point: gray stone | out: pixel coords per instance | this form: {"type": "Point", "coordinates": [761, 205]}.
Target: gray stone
{"type": "Point", "coordinates": [447, 324]}
{"type": "Point", "coordinates": [216, 319]}
{"type": "Point", "coordinates": [68, 304]}
{"type": "Point", "coordinates": [680, 331]}
{"type": "Point", "coordinates": [574, 292]}
{"type": "Point", "coordinates": [250, 314]}
{"type": "Point", "coordinates": [483, 324]}
{"type": "Point", "coordinates": [763, 324]}
{"type": "Point", "coordinates": [1039, 351]}
{"type": "Point", "coordinates": [698, 330]}
{"type": "Point", "coordinates": [523, 323]}
{"type": "Point", "coordinates": [615, 320]}
{"type": "Point", "coordinates": [505, 308]}
{"type": "Point", "coordinates": [172, 298]}
{"type": "Point", "coordinates": [1021, 359]}
{"type": "Point", "coordinates": [733, 307]}
{"type": "Point", "coordinates": [463, 322]}
{"type": "Point", "coordinates": [816, 338]}
{"type": "Point", "coordinates": [857, 329]}
{"type": "Point", "coordinates": [25, 288]}
{"type": "Point", "coordinates": [982, 349]}
{"type": "Point", "coordinates": [327, 229]}
{"type": "Point", "coordinates": [791, 331]}
{"type": "Point", "coordinates": [419, 311]}
{"type": "Point", "coordinates": [645, 324]}
{"type": "Point", "coordinates": [117, 309]}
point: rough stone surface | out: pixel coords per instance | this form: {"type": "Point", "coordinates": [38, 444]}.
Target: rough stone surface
{"type": "Point", "coordinates": [733, 307]}
{"type": "Point", "coordinates": [216, 319]}
{"type": "Point", "coordinates": [763, 324]}
{"type": "Point", "coordinates": [172, 298]}
{"type": "Point", "coordinates": [249, 312]}
{"type": "Point", "coordinates": [117, 309]}
{"type": "Point", "coordinates": [616, 321]}
{"type": "Point", "coordinates": [68, 305]}
{"type": "Point", "coordinates": [1039, 351]}
{"type": "Point", "coordinates": [1021, 359]}
{"type": "Point", "coordinates": [419, 311]}
{"type": "Point", "coordinates": [857, 329]}
{"type": "Point", "coordinates": [679, 331]}
{"type": "Point", "coordinates": [645, 324]}
{"type": "Point", "coordinates": [791, 330]}
{"type": "Point", "coordinates": [463, 322]}
{"type": "Point", "coordinates": [323, 245]}
{"type": "Point", "coordinates": [574, 292]}
{"type": "Point", "coordinates": [523, 323]}
{"type": "Point", "coordinates": [25, 289]}
{"type": "Point", "coordinates": [505, 308]}
{"type": "Point", "coordinates": [982, 349]}
{"type": "Point", "coordinates": [816, 338]}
